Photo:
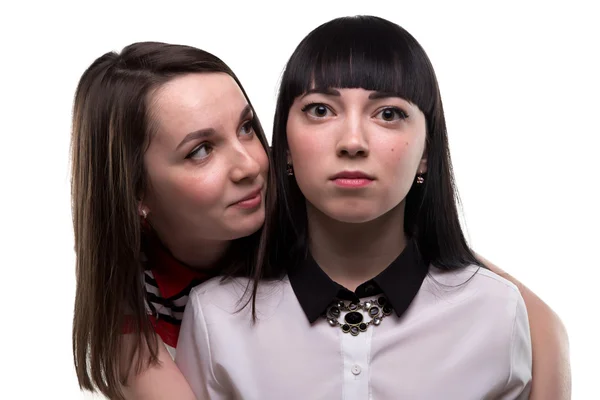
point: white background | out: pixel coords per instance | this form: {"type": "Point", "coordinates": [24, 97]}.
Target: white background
{"type": "Point", "coordinates": [520, 86]}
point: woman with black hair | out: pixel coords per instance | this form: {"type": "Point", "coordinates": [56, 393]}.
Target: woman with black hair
{"type": "Point", "coordinates": [371, 290]}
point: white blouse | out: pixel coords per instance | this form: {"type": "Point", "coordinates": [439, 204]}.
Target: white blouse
{"type": "Point", "coordinates": [465, 336]}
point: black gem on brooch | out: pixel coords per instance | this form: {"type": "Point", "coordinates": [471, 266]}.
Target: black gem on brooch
{"type": "Point", "coordinates": [354, 318]}
{"type": "Point", "coordinates": [387, 309]}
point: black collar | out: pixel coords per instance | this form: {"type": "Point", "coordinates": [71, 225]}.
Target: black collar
{"type": "Point", "coordinates": [399, 282]}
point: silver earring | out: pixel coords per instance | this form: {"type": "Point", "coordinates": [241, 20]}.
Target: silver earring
{"type": "Point", "coordinates": [144, 213]}
{"type": "Point", "coordinates": [420, 178]}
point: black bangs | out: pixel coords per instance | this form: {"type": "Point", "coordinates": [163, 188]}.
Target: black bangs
{"type": "Point", "coordinates": [371, 53]}
{"type": "Point", "coordinates": [363, 52]}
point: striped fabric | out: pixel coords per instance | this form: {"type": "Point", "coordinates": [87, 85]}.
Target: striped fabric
{"type": "Point", "coordinates": [167, 283]}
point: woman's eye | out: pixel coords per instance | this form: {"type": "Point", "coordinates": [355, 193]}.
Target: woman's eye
{"type": "Point", "coordinates": [391, 114]}
{"type": "Point", "coordinates": [316, 110]}
{"type": "Point", "coordinates": [247, 128]}
{"type": "Point", "coordinates": [200, 152]}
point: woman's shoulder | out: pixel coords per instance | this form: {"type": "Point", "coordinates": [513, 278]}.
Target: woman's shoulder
{"type": "Point", "coordinates": [485, 294]}
{"type": "Point", "coordinates": [220, 286]}
{"type": "Point", "coordinates": [475, 278]}
{"type": "Point", "coordinates": [490, 304]}
{"type": "Point", "coordinates": [230, 293]}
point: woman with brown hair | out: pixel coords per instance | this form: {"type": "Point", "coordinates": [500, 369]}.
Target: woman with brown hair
{"type": "Point", "coordinates": [170, 186]}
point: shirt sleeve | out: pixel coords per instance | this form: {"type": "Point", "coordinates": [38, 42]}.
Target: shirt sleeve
{"type": "Point", "coordinates": [518, 385]}
{"type": "Point", "coordinates": [194, 357]}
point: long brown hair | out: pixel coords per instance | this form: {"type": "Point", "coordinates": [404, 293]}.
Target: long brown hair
{"type": "Point", "coordinates": [111, 130]}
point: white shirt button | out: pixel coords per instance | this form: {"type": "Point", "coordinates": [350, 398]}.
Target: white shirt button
{"type": "Point", "coordinates": [356, 369]}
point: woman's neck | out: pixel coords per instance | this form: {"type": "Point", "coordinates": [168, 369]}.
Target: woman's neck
{"type": "Point", "coordinates": [197, 254]}
{"type": "Point", "coordinates": [351, 254]}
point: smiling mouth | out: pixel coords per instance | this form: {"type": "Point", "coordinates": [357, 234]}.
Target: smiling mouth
{"type": "Point", "coordinates": [253, 200]}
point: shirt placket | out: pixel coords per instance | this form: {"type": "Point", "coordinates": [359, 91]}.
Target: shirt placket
{"type": "Point", "coordinates": [355, 352]}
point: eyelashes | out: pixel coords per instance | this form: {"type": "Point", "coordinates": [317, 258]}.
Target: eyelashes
{"type": "Point", "coordinates": [204, 149]}
{"type": "Point", "coordinates": [201, 151]}
{"type": "Point", "coordinates": [248, 127]}
{"type": "Point", "coordinates": [317, 110]}
{"type": "Point", "coordinates": [390, 114]}
{"type": "Point", "coordinates": [387, 114]}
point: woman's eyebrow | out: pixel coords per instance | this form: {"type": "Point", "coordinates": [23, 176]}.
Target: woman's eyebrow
{"type": "Point", "coordinates": [325, 91]}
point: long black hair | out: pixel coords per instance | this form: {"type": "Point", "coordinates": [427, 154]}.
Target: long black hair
{"type": "Point", "coordinates": [374, 54]}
